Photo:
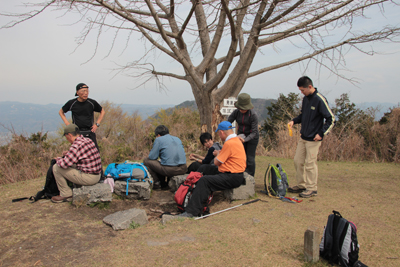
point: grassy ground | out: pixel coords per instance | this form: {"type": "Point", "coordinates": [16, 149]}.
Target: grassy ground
{"type": "Point", "coordinates": [267, 233]}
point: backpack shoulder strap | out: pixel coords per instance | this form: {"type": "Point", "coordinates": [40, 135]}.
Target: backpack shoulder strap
{"type": "Point", "coordinates": [267, 172]}
{"type": "Point", "coordinates": [328, 239]}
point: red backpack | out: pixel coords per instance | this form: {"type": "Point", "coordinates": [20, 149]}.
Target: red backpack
{"type": "Point", "coordinates": [185, 190]}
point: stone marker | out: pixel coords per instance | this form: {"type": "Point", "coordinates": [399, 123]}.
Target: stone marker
{"type": "Point", "coordinates": [311, 244]}
{"type": "Point", "coordinates": [243, 191]}
{"type": "Point", "coordinates": [121, 220]}
{"type": "Point", "coordinates": [176, 181]}
{"type": "Point", "coordinates": [136, 190]}
{"type": "Point", "coordinates": [85, 195]}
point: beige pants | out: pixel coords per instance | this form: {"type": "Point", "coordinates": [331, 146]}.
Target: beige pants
{"type": "Point", "coordinates": [305, 163]}
{"type": "Point", "coordinates": [71, 174]}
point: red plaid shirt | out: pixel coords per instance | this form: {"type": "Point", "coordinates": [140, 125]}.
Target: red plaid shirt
{"type": "Point", "coordinates": [84, 154]}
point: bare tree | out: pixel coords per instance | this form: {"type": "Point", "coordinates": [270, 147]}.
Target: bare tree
{"type": "Point", "coordinates": [229, 34]}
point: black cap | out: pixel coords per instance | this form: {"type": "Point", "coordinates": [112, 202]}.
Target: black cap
{"type": "Point", "coordinates": [79, 86]}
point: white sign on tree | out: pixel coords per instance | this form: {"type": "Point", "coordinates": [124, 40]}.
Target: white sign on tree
{"type": "Point", "coordinates": [229, 106]}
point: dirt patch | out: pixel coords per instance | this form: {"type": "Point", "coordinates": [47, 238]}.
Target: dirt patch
{"type": "Point", "coordinates": [50, 234]}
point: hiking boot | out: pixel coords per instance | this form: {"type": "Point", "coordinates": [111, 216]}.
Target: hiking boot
{"type": "Point", "coordinates": [185, 215]}
{"type": "Point", "coordinates": [295, 189]}
{"type": "Point", "coordinates": [59, 199]}
{"type": "Point", "coordinates": [308, 193]}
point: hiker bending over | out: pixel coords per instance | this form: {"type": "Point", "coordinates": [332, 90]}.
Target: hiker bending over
{"type": "Point", "coordinates": [206, 140]}
{"type": "Point", "coordinates": [316, 120]}
{"type": "Point", "coordinates": [231, 162]}
{"type": "Point", "coordinates": [247, 129]}
{"type": "Point", "coordinates": [81, 164]}
{"type": "Point", "coordinates": [172, 158]}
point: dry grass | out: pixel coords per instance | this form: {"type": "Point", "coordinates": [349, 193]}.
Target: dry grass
{"type": "Point", "coordinates": [23, 159]}
{"type": "Point", "coordinates": [126, 137]}
{"type": "Point", "coordinates": [260, 234]}
{"type": "Point", "coordinates": [379, 143]}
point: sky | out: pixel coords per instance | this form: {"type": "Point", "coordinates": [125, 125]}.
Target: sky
{"type": "Point", "coordinates": [40, 63]}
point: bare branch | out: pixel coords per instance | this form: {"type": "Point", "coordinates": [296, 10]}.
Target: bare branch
{"type": "Point", "coordinates": [172, 75]}
{"type": "Point", "coordinates": [283, 14]}
{"type": "Point", "coordinates": [26, 16]}
{"type": "Point", "coordinates": [366, 38]}
{"type": "Point", "coordinates": [126, 15]}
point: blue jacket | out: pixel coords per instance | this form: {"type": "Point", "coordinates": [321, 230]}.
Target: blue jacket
{"type": "Point", "coordinates": [314, 111]}
{"type": "Point", "coordinates": [169, 149]}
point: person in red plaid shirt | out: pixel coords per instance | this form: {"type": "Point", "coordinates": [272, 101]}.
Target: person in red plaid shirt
{"type": "Point", "coordinates": [81, 164]}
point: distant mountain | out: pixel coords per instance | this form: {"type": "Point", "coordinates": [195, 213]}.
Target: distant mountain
{"type": "Point", "coordinates": [30, 118]}
{"type": "Point", "coordinates": [143, 110]}
{"type": "Point", "coordinates": [260, 106]}
{"type": "Point", "coordinates": [380, 108]}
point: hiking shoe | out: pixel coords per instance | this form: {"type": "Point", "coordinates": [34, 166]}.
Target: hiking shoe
{"type": "Point", "coordinates": [295, 189]}
{"type": "Point", "coordinates": [308, 193]}
{"type": "Point", "coordinates": [185, 215]}
{"type": "Point", "coordinates": [59, 199]}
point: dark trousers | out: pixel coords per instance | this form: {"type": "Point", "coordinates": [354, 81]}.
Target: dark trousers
{"type": "Point", "coordinates": [208, 184]}
{"type": "Point", "coordinates": [160, 172]}
{"type": "Point", "coordinates": [193, 167]}
{"type": "Point", "coordinates": [250, 147]}
{"type": "Point", "coordinates": [208, 169]}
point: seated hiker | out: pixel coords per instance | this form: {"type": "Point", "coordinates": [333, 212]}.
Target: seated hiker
{"type": "Point", "coordinates": [172, 158]}
{"type": "Point", "coordinates": [206, 140]}
{"type": "Point", "coordinates": [81, 164]}
{"type": "Point", "coordinates": [231, 162]}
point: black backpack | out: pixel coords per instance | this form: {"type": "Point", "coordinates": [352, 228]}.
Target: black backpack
{"type": "Point", "coordinates": [339, 243]}
{"type": "Point", "coordinates": [50, 188]}
{"type": "Point", "coordinates": [275, 181]}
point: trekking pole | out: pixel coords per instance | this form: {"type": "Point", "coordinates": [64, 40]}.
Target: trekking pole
{"type": "Point", "coordinates": [208, 215]}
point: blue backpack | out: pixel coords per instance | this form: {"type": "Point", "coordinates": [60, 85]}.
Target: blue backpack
{"type": "Point", "coordinates": [128, 171]}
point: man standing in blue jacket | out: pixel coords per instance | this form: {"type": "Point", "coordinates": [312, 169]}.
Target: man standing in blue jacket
{"type": "Point", "coordinates": [317, 120]}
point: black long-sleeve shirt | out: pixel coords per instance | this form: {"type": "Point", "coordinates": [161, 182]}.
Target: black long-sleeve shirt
{"type": "Point", "coordinates": [247, 123]}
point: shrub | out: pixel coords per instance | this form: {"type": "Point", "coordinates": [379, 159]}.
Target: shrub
{"type": "Point", "coordinates": [25, 158]}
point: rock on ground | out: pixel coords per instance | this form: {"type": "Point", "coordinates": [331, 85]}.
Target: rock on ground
{"type": "Point", "coordinates": [176, 181]}
{"type": "Point", "coordinates": [123, 219]}
{"type": "Point", "coordinates": [85, 195]}
{"type": "Point", "coordinates": [136, 190]}
{"type": "Point", "coordinates": [244, 191]}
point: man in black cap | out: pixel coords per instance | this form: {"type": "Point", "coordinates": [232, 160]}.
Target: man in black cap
{"type": "Point", "coordinates": [83, 109]}
{"type": "Point", "coordinates": [81, 164]}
